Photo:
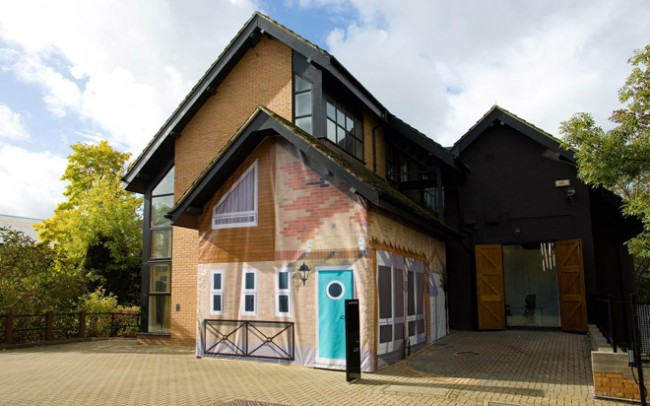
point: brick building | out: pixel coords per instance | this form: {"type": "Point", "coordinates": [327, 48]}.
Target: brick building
{"type": "Point", "coordinates": [280, 187]}
{"type": "Point", "coordinates": [280, 161]}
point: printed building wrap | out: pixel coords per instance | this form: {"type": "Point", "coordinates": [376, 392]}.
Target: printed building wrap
{"type": "Point", "coordinates": [280, 187]}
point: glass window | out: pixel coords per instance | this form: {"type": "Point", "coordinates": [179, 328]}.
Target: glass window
{"type": "Point", "coordinates": [166, 185]}
{"type": "Point", "coordinates": [159, 313]}
{"type": "Point", "coordinates": [302, 104]}
{"type": "Point", "coordinates": [161, 243]}
{"type": "Point", "coordinates": [283, 293]}
{"type": "Point", "coordinates": [159, 281]}
{"type": "Point", "coordinates": [158, 254]}
{"type": "Point", "coordinates": [217, 293]}
{"type": "Point", "coordinates": [160, 206]}
{"type": "Point", "coordinates": [249, 293]}
{"type": "Point", "coordinates": [238, 207]}
{"type": "Point", "coordinates": [344, 129]}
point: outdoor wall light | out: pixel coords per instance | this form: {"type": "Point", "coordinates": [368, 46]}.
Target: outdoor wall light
{"type": "Point", "coordinates": [304, 273]}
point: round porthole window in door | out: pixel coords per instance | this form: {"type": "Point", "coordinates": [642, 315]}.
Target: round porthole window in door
{"type": "Point", "coordinates": [335, 290]}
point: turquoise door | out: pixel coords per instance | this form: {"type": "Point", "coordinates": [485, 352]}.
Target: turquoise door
{"type": "Point", "coordinates": [333, 288]}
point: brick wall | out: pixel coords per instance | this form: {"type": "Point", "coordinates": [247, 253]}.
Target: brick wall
{"type": "Point", "coordinates": [262, 77]}
{"type": "Point", "coordinates": [243, 244]}
{"type": "Point", "coordinates": [613, 378]}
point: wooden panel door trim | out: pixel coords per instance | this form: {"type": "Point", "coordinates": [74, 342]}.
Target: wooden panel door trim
{"type": "Point", "coordinates": [489, 287]}
{"type": "Point", "coordinates": [571, 285]}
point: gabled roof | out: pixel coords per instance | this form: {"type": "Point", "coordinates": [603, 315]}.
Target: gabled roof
{"type": "Point", "coordinates": [161, 147]}
{"type": "Point", "coordinates": [499, 114]}
{"type": "Point", "coordinates": [264, 123]}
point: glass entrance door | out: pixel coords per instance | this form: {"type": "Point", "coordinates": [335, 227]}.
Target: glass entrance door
{"type": "Point", "coordinates": [531, 285]}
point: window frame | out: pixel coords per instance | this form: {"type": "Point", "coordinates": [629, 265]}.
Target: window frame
{"type": "Point", "coordinates": [283, 292]}
{"type": "Point", "coordinates": [217, 292]}
{"type": "Point", "coordinates": [296, 94]}
{"type": "Point", "coordinates": [233, 215]}
{"type": "Point", "coordinates": [249, 292]}
{"type": "Point", "coordinates": [348, 114]}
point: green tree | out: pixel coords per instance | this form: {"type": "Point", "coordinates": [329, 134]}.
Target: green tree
{"type": "Point", "coordinates": [30, 280]}
{"type": "Point", "coordinates": [619, 159]}
{"type": "Point", "coordinates": [98, 228]}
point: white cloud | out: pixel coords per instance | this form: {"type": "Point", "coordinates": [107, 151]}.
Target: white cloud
{"type": "Point", "coordinates": [440, 66]}
{"type": "Point", "coordinates": [121, 65]}
{"type": "Point", "coordinates": [33, 179]}
{"type": "Point", "coordinates": [11, 125]}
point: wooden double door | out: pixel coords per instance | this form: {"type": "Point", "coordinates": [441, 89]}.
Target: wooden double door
{"type": "Point", "coordinates": [491, 295]}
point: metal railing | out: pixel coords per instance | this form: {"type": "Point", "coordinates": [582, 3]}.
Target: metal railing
{"type": "Point", "coordinates": [603, 311]}
{"type": "Point", "coordinates": [35, 328]}
{"type": "Point", "coordinates": [260, 339]}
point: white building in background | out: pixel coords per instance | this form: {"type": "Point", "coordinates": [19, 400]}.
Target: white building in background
{"type": "Point", "coordinates": [24, 224]}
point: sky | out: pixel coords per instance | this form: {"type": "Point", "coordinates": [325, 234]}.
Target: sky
{"type": "Point", "coordinates": [83, 71]}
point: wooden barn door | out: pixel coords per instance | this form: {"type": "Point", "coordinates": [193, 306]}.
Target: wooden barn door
{"type": "Point", "coordinates": [571, 282]}
{"type": "Point", "coordinates": [489, 287]}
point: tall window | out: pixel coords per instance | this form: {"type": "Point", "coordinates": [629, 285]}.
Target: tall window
{"type": "Point", "coordinates": [216, 293]}
{"type": "Point", "coordinates": [390, 281]}
{"type": "Point", "coordinates": [283, 293]}
{"type": "Point", "coordinates": [158, 255]}
{"type": "Point", "coordinates": [302, 110]}
{"type": "Point", "coordinates": [415, 307]}
{"type": "Point", "coordinates": [400, 297]}
{"type": "Point", "coordinates": [344, 129]}
{"type": "Point", "coordinates": [238, 207]}
{"type": "Point", "coordinates": [249, 293]}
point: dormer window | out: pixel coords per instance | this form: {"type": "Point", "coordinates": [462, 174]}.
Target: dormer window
{"type": "Point", "coordinates": [238, 207]}
{"type": "Point", "coordinates": [344, 129]}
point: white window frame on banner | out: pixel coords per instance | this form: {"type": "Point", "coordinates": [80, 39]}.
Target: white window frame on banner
{"type": "Point", "coordinates": [246, 292]}
{"type": "Point", "coordinates": [217, 292]}
{"type": "Point", "coordinates": [283, 292]}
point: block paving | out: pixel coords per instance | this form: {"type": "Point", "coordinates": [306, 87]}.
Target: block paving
{"type": "Point", "coordinates": [465, 368]}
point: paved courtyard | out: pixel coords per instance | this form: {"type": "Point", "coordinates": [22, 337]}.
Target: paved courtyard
{"type": "Point", "coordinates": [466, 368]}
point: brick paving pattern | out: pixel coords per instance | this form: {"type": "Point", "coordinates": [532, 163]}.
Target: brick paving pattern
{"type": "Point", "coordinates": [465, 368]}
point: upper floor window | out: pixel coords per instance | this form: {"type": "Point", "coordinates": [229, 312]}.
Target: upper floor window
{"type": "Point", "coordinates": [302, 103]}
{"type": "Point", "coordinates": [238, 207]}
{"type": "Point", "coordinates": [344, 129]}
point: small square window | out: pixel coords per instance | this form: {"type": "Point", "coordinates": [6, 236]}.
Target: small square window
{"type": "Point", "coordinates": [283, 304]}
{"type": "Point", "coordinates": [250, 281]}
{"type": "Point", "coordinates": [249, 303]}
{"type": "Point", "coordinates": [283, 280]}
{"type": "Point", "coordinates": [216, 303]}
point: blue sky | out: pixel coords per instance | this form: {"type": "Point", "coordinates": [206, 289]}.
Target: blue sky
{"type": "Point", "coordinates": [79, 71]}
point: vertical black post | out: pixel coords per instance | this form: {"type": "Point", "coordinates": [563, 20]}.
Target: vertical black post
{"type": "Point", "coordinates": [49, 326]}
{"type": "Point", "coordinates": [82, 324]}
{"type": "Point", "coordinates": [352, 341]}
{"type": "Point", "coordinates": [9, 328]}
{"type": "Point", "coordinates": [637, 350]}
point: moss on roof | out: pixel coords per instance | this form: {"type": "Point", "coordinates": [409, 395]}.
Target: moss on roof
{"type": "Point", "coordinates": [353, 167]}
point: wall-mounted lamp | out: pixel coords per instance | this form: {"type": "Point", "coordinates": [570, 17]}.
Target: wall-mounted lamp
{"type": "Point", "coordinates": [304, 273]}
